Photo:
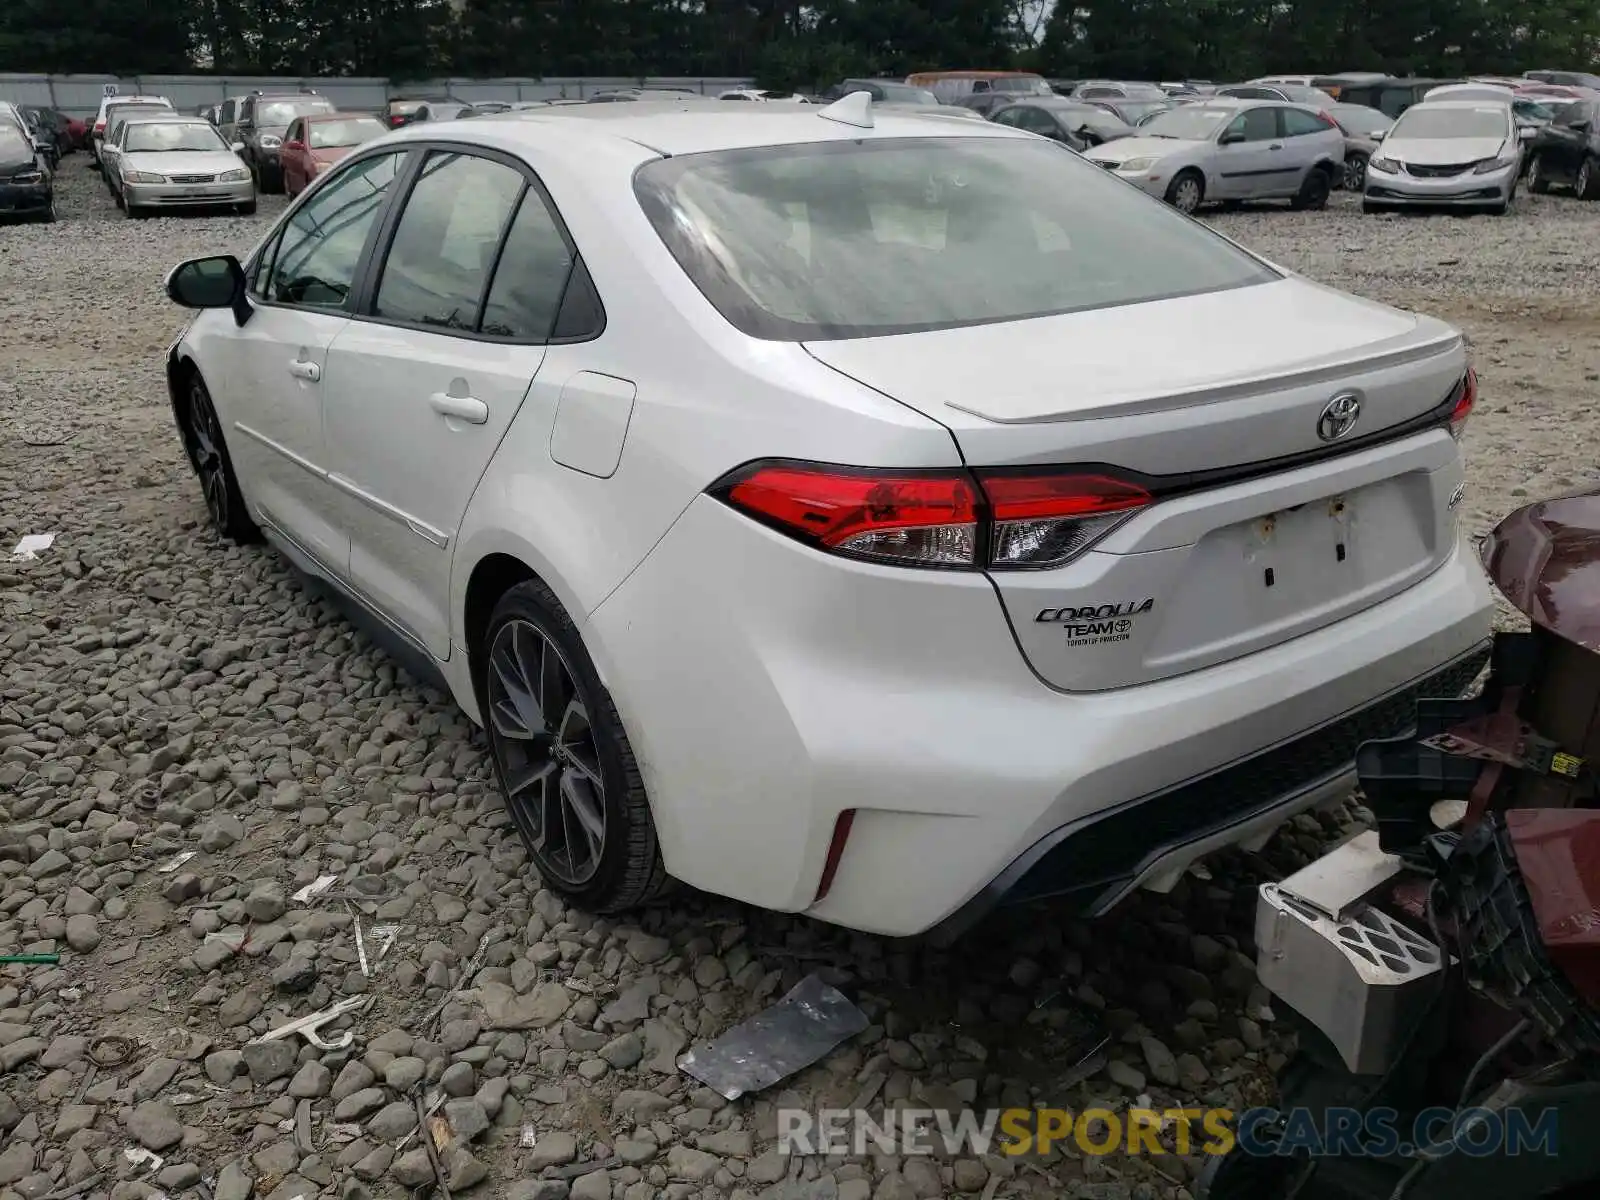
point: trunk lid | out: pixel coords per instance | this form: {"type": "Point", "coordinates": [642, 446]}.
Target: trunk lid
{"type": "Point", "coordinates": [1262, 530]}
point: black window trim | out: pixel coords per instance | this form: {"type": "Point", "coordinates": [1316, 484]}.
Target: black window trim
{"type": "Point", "coordinates": [368, 272]}
{"type": "Point", "coordinates": [267, 254]}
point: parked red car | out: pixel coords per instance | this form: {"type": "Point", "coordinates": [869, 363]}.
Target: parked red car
{"type": "Point", "coordinates": [314, 143]}
{"type": "Point", "coordinates": [78, 132]}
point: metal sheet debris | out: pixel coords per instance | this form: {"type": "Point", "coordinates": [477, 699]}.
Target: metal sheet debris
{"type": "Point", "coordinates": [530, 1137]}
{"type": "Point", "coordinates": [31, 546]}
{"type": "Point", "coordinates": [772, 1045]}
{"type": "Point", "coordinates": [176, 861]}
{"type": "Point", "coordinates": [315, 888]}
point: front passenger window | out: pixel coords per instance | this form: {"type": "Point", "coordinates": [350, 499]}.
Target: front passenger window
{"type": "Point", "coordinates": [321, 244]}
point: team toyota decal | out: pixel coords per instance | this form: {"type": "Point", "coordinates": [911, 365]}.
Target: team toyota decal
{"type": "Point", "coordinates": [1096, 624]}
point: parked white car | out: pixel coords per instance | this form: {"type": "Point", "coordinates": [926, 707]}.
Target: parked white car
{"type": "Point", "coordinates": [178, 163]}
{"type": "Point", "coordinates": [1229, 149]}
{"type": "Point", "coordinates": [99, 130]}
{"type": "Point", "coordinates": [867, 515]}
{"type": "Point", "coordinates": [1449, 153]}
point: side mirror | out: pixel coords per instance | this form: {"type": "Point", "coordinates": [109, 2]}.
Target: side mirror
{"type": "Point", "coordinates": [237, 147]}
{"type": "Point", "coordinates": [1580, 126]}
{"type": "Point", "coordinates": [1230, 139]}
{"type": "Point", "coordinates": [216, 282]}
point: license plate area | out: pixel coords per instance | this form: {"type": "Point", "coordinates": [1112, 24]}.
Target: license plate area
{"type": "Point", "coordinates": [1285, 573]}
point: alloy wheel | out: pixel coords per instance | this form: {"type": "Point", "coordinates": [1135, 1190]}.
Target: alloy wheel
{"type": "Point", "coordinates": [206, 448]}
{"type": "Point", "coordinates": [1186, 195]}
{"type": "Point", "coordinates": [1355, 173]}
{"type": "Point", "coordinates": [1583, 180]}
{"type": "Point", "coordinates": [540, 728]}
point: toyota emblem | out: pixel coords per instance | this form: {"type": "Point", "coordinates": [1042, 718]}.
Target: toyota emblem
{"type": "Point", "coordinates": [1339, 417]}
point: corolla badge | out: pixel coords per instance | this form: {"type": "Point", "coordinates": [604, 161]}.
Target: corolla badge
{"type": "Point", "coordinates": [1339, 417]}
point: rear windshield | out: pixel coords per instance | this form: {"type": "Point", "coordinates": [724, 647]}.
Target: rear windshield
{"type": "Point", "coordinates": [885, 236]}
{"type": "Point", "coordinates": [345, 132]}
{"type": "Point", "coordinates": [1425, 122]}
{"type": "Point", "coordinates": [276, 113]}
{"type": "Point", "coordinates": [1358, 118]}
{"type": "Point", "coordinates": [1027, 85]}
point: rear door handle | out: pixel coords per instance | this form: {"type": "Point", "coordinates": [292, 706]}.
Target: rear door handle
{"type": "Point", "coordinates": [462, 408]}
{"type": "Point", "coordinates": [301, 369]}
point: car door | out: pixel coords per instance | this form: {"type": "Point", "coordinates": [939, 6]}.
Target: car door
{"type": "Point", "coordinates": [294, 156]}
{"type": "Point", "coordinates": [1250, 160]}
{"type": "Point", "coordinates": [1564, 143]}
{"type": "Point", "coordinates": [1306, 141]}
{"type": "Point", "coordinates": [275, 368]}
{"type": "Point", "coordinates": [449, 341]}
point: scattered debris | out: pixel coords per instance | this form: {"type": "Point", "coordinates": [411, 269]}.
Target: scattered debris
{"type": "Point", "coordinates": [112, 1050]}
{"type": "Point", "coordinates": [772, 1045]}
{"type": "Point", "coordinates": [315, 888]}
{"type": "Point", "coordinates": [386, 936]}
{"type": "Point", "coordinates": [530, 1137]}
{"type": "Point", "coordinates": [31, 960]}
{"type": "Point", "coordinates": [139, 1156]}
{"type": "Point", "coordinates": [31, 546]}
{"type": "Point", "coordinates": [176, 861]}
{"type": "Point", "coordinates": [361, 945]}
{"type": "Point", "coordinates": [433, 1149]}
{"type": "Point", "coordinates": [308, 1025]}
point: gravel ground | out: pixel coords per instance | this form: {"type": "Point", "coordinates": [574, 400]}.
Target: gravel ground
{"type": "Point", "coordinates": [163, 693]}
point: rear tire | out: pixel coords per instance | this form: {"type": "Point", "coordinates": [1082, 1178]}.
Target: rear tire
{"type": "Point", "coordinates": [1314, 191]}
{"type": "Point", "coordinates": [562, 758]}
{"type": "Point", "coordinates": [1538, 177]}
{"type": "Point", "coordinates": [247, 210]}
{"type": "Point", "coordinates": [1187, 190]}
{"type": "Point", "coordinates": [1587, 184]}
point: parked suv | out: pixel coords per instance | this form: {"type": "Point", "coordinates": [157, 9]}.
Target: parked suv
{"type": "Point", "coordinates": [1567, 151]}
{"type": "Point", "coordinates": [97, 135]}
{"type": "Point", "coordinates": [262, 123]}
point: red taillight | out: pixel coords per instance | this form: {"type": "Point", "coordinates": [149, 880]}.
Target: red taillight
{"type": "Point", "coordinates": [396, 122]}
{"type": "Point", "coordinates": [948, 519]}
{"type": "Point", "coordinates": [1044, 520]}
{"type": "Point", "coordinates": [919, 518]}
{"type": "Point", "coordinates": [1327, 119]}
{"type": "Point", "coordinates": [1464, 403]}
{"type": "Point", "coordinates": [99, 126]}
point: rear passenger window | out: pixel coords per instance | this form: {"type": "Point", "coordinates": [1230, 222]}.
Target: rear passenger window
{"type": "Point", "coordinates": [445, 245]}
{"type": "Point", "coordinates": [1297, 123]}
{"type": "Point", "coordinates": [531, 276]}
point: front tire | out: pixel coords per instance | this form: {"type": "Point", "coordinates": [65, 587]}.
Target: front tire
{"type": "Point", "coordinates": [571, 784]}
{"type": "Point", "coordinates": [1186, 191]}
{"type": "Point", "coordinates": [208, 457]}
{"type": "Point", "coordinates": [1355, 172]}
{"type": "Point", "coordinates": [1313, 193]}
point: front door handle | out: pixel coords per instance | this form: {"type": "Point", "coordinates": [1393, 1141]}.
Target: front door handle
{"type": "Point", "coordinates": [462, 408]}
{"type": "Point", "coordinates": [301, 369]}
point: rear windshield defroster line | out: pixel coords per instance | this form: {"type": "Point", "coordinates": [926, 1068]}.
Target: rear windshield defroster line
{"type": "Point", "coordinates": [880, 236]}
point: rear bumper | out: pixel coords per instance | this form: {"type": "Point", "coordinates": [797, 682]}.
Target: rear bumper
{"type": "Point", "coordinates": [767, 689]}
{"type": "Point", "coordinates": [200, 195]}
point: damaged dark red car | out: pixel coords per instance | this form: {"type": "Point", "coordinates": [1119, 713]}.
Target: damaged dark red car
{"type": "Point", "coordinates": [1443, 970]}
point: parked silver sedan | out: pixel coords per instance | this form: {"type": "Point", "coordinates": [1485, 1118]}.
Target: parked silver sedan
{"type": "Point", "coordinates": [1454, 153]}
{"type": "Point", "coordinates": [180, 163]}
{"type": "Point", "coordinates": [1228, 150]}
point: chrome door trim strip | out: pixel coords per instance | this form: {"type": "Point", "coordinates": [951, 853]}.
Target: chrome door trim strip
{"type": "Point", "coordinates": [434, 537]}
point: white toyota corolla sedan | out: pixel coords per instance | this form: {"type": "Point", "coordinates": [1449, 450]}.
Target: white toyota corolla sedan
{"type": "Point", "coordinates": [877, 517]}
